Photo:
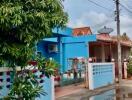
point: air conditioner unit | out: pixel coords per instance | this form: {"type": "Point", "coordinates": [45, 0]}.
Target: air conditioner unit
{"type": "Point", "coordinates": [52, 48]}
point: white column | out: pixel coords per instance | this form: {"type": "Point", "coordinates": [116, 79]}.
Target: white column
{"type": "Point", "coordinates": [53, 88]}
{"type": "Point", "coordinates": [125, 69]}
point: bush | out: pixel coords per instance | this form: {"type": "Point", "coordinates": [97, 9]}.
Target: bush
{"type": "Point", "coordinates": [129, 67]}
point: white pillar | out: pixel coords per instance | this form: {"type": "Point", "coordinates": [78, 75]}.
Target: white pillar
{"type": "Point", "coordinates": [125, 69]}
{"type": "Point", "coordinates": [53, 88]}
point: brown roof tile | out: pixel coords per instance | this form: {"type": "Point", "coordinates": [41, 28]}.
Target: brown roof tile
{"type": "Point", "coordinates": [82, 31]}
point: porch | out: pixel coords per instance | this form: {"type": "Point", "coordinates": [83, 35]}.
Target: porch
{"type": "Point", "coordinates": [104, 51]}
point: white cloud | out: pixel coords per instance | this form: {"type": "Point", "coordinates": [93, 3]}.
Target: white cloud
{"type": "Point", "coordinates": [98, 20]}
{"type": "Point", "coordinates": [126, 24]}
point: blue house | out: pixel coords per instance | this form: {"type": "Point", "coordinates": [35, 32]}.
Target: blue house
{"type": "Point", "coordinates": [63, 46]}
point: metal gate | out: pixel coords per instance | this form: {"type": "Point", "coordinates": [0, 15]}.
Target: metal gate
{"type": "Point", "coordinates": [75, 73]}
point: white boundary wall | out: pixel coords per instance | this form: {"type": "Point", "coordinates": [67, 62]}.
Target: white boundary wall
{"type": "Point", "coordinates": [48, 85]}
{"type": "Point", "coordinates": [100, 74]}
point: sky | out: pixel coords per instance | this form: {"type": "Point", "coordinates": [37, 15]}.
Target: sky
{"type": "Point", "coordinates": [83, 13]}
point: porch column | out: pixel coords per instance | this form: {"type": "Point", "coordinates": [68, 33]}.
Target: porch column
{"type": "Point", "coordinates": [103, 52]}
{"type": "Point", "coordinates": [60, 54]}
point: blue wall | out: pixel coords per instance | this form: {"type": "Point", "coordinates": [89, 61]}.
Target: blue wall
{"type": "Point", "coordinates": [74, 50]}
{"type": "Point", "coordinates": [62, 32]}
{"type": "Point", "coordinates": [47, 86]}
{"type": "Point", "coordinates": [77, 39]}
{"type": "Point", "coordinates": [102, 74]}
{"type": "Point", "coordinates": [4, 91]}
{"type": "Point", "coordinates": [68, 47]}
{"type": "Point", "coordinates": [66, 51]}
{"type": "Point", "coordinates": [43, 48]}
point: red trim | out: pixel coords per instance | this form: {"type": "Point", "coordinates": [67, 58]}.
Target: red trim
{"type": "Point", "coordinates": [34, 71]}
{"type": "Point", "coordinates": [34, 63]}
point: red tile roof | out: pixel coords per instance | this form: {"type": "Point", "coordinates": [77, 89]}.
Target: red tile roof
{"type": "Point", "coordinates": [82, 31]}
{"type": "Point", "coordinates": [101, 36]}
{"type": "Point", "coordinates": [109, 38]}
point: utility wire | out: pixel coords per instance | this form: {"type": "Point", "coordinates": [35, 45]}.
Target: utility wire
{"type": "Point", "coordinates": [100, 5]}
{"type": "Point", "coordinates": [126, 8]}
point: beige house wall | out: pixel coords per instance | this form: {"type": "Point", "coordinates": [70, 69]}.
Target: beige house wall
{"type": "Point", "coordinates": [109, 50]}
{"type": "Point", "coordinates": [125, 51]}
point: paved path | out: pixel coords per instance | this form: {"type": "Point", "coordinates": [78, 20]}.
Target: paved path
{"type": "Point", "coordinates": [67, 90]}
{"type": "Point", "coordinates": [123, 92]}
{"type": "Point", "coordinates": [84, 93]}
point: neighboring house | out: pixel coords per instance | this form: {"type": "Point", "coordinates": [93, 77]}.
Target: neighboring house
{"type": "Point", "coordinates": [67, 44]}
{"type": "Point", "coordinates": [63, 47]}
{"type": "Point", "coordinates": [72, 54]}
{"type": "Point", "coordinates": [105, 48]}
{"type": "Point", "coordinates": [82, 31]}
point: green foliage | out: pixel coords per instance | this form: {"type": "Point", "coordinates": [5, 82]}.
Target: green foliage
{"type": "Point", "coordinates": [129, 67]}
{"type": "Point", "coordinates": [25, 87]}
{"type": "Point", "coordinates": [23, 23]}
{"type": "Point", "coordinates": [125, 37]}
{"type": "Point", "coordinates": [26, 84]}
{"type": "Point", "coordinates": [47, 65]}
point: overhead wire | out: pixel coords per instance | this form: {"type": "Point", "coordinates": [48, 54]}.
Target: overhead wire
{"type": "Point", "coordinates": [100, 5]}
{"type": "Point", "coordinates": [125, 8]}
{"type": "Point", "coordinates": [103, 8]}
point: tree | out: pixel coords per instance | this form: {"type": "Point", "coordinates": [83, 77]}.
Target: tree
{"type": "Point", "coordinates": [125, 37]}
{"type": "Point", "coordinates": [129, 66]}
{"type": "Point", "coordinates": [26, 85]}
{"type": "Point", "coordinates": [25, 22]}
{"type": "Point", "coordinates": [22, 24]}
